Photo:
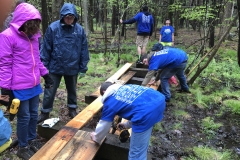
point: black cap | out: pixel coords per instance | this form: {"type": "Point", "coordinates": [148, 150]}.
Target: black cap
{"type": "Point", "coordinates": [104, 87]}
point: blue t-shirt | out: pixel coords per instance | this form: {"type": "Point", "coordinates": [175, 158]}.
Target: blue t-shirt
{"type": "Point", "coordinates": [26, 94]}
{"type": "Point", "coordinates": [167, 58]}
{"type": "Point", "coordinates": [145, 22]}
{"type": "Point", "coordinates": [166, 32]}
{"type": "Point", "coordinates": [143, 106]}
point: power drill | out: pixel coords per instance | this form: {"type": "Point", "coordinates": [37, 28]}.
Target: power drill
{"type": "Point", "coordinates": [124, 134]}
{"type": "Point", "coordinates": [14, 108]}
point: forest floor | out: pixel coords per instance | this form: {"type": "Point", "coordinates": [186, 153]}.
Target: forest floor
{"type": "Point", "coordinates": [181, 130]}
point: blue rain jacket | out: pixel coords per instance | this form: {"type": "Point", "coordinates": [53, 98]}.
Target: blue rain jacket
{"type": "Point", "coordinates": [5, 129]}
{"type": "Point", "coordinates": [64, 50]}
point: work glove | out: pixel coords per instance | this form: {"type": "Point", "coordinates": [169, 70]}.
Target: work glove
{"type": "Point", "coordinates": [81, 75]}
{"type": "Point", "coordinates": [48, 81]}
{"type": "Point", "coordinates": [6, 91]}
{"type": "Point", "coordinates": [124, 125]}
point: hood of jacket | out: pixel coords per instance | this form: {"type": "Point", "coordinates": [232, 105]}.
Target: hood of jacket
{"type": "Point", "coordinates": [24, 12]}
{"type": "Point", "coordinates": [147, 13]}
{"type": "Point", "coordinates": [66, 9]}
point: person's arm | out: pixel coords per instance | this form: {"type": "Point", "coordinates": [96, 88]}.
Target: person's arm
{"type": "Point", "coordinates": [130, 21]}
{"type": "Point", "coordinates": [84, 54]}
{"type": "Point", "coordinates": [148, 77]}
{"type": "Point", "coordinates": [172, 36]}
{"type": "Point", "coordinates": [6, 62]}
{"type": "Point", "coordinates": [101, 131]}
{"type": "Point", "coordinates": [47, 47]}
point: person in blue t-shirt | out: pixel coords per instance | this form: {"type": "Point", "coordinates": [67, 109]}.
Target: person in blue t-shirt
{"type": "Point", "coordinates": [141, 106]}
{"type": "Point", "coordinates": [145, 22]}
{"type": "Point", "coordinates": [167, 34]}
{"type": "Point", "coordinates": [171, 61]}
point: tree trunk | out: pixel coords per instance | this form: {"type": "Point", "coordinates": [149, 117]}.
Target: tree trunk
{"type": "Point", "coordinates": [114, 17]}
{"type": "Point", "coordinates": [212, 53]}
{"type": "Point", "coordinates": [85, 16]}
{"type": "Point", "coordinates": [238, 9]}
{"type": "Point", "coordinates": [56, 6]}
{"type": "Point", "coordinates": [44, 16]}
{"type": "Point", "coordinates": [90, 15]}
{"type": "Point", "coordinates": [225, 21]}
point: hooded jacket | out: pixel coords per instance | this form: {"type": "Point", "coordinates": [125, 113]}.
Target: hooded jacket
{"type": "Point", "coordinates": [5, 129]}
{"type": "Point", "coordinates": [20, 64]}
{"type": "Point", "coordinates": [65, 49]}
{"type": "Point", "coordinates": [145, 23]}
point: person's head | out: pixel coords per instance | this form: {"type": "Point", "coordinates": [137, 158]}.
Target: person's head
{"type": "Point", "coordinates": [69, 19]}
{"type": "Point", "coordinates": [167, 22]}
{"type": "Point", "coordinates": [31, 27]}
{"type": "Point", "coordinates": [155, 48]}
{"type": "Point", "coordinates": [104, 87]}
{"type": "Point", "coordinates": [145, 8]}
{"type": "Point", "coordinates": [68, 14]}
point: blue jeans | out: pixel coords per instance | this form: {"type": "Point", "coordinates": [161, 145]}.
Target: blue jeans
{"type": "Point", "coordinates": [49, 93]}
{"type": "Point", "coordinates": [27, 117]}
{"type": "Point", "coordinates": [139, 145]}
{"type": "Point", "coordinates": [167, 73]}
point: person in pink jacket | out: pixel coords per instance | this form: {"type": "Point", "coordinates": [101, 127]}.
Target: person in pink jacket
{"type": "Point", "coordinates": [20, 72]}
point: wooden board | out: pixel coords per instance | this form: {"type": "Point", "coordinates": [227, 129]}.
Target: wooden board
{"type": "Point", "coordinates": [80, 147]}
{"type": "Point", "coordinates": [55, 144]}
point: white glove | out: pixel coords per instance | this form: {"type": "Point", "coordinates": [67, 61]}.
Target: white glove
{"type": "Point", "coordinates": [50, 122]}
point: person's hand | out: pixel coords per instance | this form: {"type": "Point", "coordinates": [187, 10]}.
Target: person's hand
{"type": "Point", "coordinates": [48, 81]}
{"type": "Point", "coordinates": [93, 138]}
{"type": "Point", "coordinates": [121, 126]}
{"type": "Point", "coordinates": [152, 82]}
{"type": "Point", "coordinates": [6, 91]}
{"type": "Point", "coordinates": [121, 20]}
{"type": "Point", "coordinates": [81, 75]}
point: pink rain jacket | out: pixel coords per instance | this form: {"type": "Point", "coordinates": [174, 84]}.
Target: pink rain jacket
{"type": "Point", "coordinates": [20, 65]}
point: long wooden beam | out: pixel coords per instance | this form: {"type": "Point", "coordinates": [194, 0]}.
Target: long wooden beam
{"type": "Point", "coordinates": [57, 143]}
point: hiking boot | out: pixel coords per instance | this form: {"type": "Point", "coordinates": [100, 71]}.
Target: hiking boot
{"type": "Point", "coordinates": [35, 145]}
{"type": "Point", "coordinates": [72, 112]}
{"type": "Point", "coordinates": [182, 91]}
{"type": "Point", "coordinates": [25, 153]}
{"type": "Point", "coordinates": [43, 116]}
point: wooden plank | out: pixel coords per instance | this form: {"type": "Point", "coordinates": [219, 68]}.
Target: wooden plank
{"type": "Point", "coordinates": [80, 147]}
{"type": "Point", "coordinates": [55, 144]}
{"type": "Point", "coordinates": [58, 141]}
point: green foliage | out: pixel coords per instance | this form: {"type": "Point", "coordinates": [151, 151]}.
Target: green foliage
{"type": "Point", "coordinates": [234, 105]}
{"type": "Point", "coordinates": [206, 153]}
{"type": "Point", "coordinates": [158, 127]}
{"type": "Point", "coordinates": [209, 126]}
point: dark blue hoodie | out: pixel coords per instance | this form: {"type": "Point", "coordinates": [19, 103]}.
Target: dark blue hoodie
{"type": "Point", "coordinates": [65, 48]}
{"type": "Point", "coordinates": [145, 23]}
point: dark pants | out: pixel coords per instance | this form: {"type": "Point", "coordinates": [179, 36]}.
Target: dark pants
{"type": "Point", "coordinates": [49, 93]}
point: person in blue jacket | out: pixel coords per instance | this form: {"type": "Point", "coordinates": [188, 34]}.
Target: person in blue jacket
{"type": "Point", "coordinates": [5, 133]}
{"type": "Point", "coordinates": [141, 106]}
{"type": "Point", "coordinates": [166, 36]}
{"type": "Point", "coordinates": [145, 22]}
{"type": "Point", "coordinates": [64, 52]}
{"type": "Point", "coordinates": [171, 61]}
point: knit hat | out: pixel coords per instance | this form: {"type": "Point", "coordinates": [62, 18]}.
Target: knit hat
{"type": "Point", "coordinates": [157, 47]}
{"type": "Point", "coordinates": [104, 87]}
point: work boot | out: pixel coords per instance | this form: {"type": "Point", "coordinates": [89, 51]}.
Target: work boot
{"type": "Point", "coordinates": [43, 116]}
{"type": "Point", "coordinates": [35, 145]}
{"type": "Point", "coordinates": [72, 112]}
{"type": "Point", "coordinates": [183, 91]}
{"type": "Point", "coordinates": [25, 153]}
